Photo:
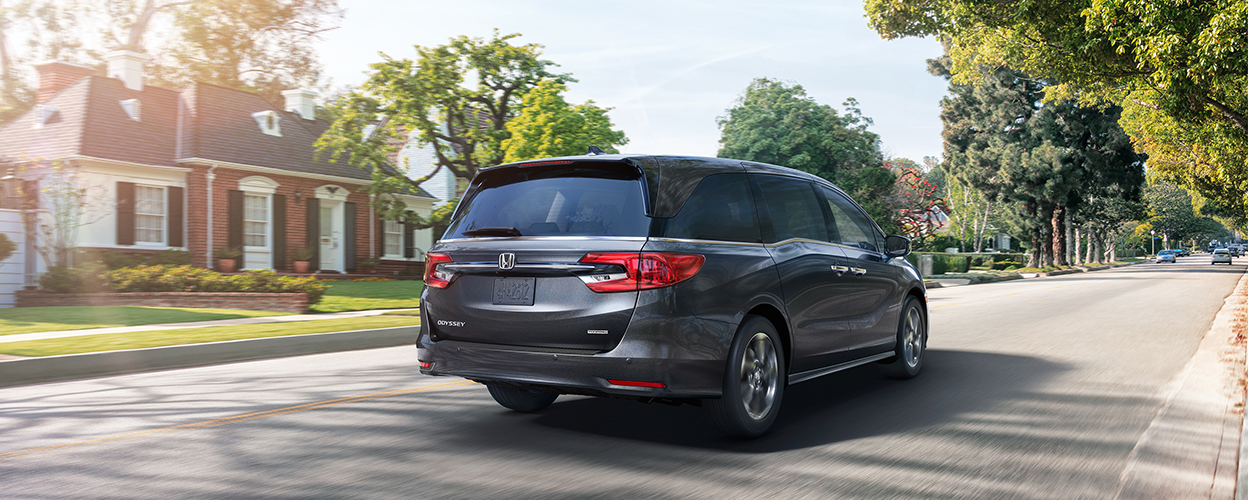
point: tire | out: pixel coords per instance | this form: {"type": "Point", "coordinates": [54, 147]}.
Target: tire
{"type": "Point", "coordinates": [753, 381]}
{"type": "Point", "coordinates": [521, 400]}
{"type": "Point", "coordinates": [911, 343]}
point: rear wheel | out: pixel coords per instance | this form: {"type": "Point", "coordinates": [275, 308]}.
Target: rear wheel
{"type": "Point", "coordinates": [521, 400]}
{"type": "Point", "coordinates": [911, 343]}
{"type": "Point", "coordinates": [753, 381]}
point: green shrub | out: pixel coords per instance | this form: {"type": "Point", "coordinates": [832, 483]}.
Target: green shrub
{"type": "Point", "coordinates": [1005, 265]}
{"type": "Point", "coordinates": [170, 258]}
{"type": "Point", "coordinates": [197, 279]}
{"type": "Point", "coordinates": [85, 278]}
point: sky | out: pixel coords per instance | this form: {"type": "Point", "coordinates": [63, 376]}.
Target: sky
{"type": "Point", "coordinates": [670, 68]}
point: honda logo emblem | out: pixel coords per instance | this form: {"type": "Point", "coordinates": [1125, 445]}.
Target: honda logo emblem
{"type": "Point", "coordinates": [506, 260]}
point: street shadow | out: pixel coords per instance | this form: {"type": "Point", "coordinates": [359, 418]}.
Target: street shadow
{"type": "Point", "coordinates": [852, 404]}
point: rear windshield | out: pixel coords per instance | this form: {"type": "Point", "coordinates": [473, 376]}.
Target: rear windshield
{"type": "Point", "coordinates": [553, 204]}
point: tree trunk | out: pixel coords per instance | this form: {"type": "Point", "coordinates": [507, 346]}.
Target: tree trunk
{"type": "Point", "coordinates": [1033, 257]}
{"type": "Point", "coordinates": [1078, 242]}
{"type": "Point", "coordinates": [1100, 253]}
{"type": "Point", "coordinates": [1069, 247]}
{"type": "Point", "coordinates": [1059, 237]}
{"type": "Point", "coordinates": [1088, 259]}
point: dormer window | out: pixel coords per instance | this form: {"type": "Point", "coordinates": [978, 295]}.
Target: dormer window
{"type": "Point", "coordinates": [44, 114]}
{"type": "Point", "coordinates": [132, 108]}
{"type": "Point", "coordinates": [269, 121]}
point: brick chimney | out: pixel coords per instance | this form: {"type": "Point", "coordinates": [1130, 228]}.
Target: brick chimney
{"type": "Point", "coordinates": [55, 76]}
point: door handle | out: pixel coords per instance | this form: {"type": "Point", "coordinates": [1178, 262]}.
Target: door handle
{"type": "Point", "coordinates": [858, 271]}
{"type": "Point", "coordinates": [840, 270]}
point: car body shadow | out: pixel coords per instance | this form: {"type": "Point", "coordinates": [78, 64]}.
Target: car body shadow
{"type": "Point", "coordinates": [848, 405]}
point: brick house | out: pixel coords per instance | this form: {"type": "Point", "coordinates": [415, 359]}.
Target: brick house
{"type": "Point", "coordinates": [203, 168]}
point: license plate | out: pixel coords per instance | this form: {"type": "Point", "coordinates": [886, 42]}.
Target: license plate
{"type": "Point", "coordinates": [514, 291]}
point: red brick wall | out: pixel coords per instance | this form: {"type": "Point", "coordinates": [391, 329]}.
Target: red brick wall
{"type": "Point", "coordinates": [296, 211]}
{"type": "Point", "coordinates": [281, 302]}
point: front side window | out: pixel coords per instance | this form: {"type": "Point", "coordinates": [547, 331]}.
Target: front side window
{"type": "Point", "coordinates": [394, 238]}
{"type": "Point", "coordinates": [255, 220]}
{"type": "Point", "coordinates": [849, 225]}
{"type": "Point", "coordinates": [721, 208]}
{"type": "Point", "coordinates": [149, 214]}
{"type": "Point", "coordinates": [794, 208]}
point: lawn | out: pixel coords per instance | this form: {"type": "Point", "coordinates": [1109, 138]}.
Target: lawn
{"type": "Point", "coordinates": [158, 338]}
{"type": "Point", "coordinates": [364, 295]}
{"type": "Point", "coordinates": [49, 319]}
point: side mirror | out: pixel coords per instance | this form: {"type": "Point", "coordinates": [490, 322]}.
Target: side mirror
{"type": "Point", "coordinates": [896, 246]}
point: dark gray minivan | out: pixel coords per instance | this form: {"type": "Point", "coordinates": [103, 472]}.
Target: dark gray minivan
{"type": "Point", "coordinates": [669, 279]}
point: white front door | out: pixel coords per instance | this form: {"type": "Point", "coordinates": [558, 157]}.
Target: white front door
{"type": "Point", "coordinates": [331, 235]}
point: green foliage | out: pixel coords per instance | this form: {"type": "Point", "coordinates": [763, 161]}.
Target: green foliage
{"type": "Point", "coordinates": [86, 278]}
{"type": "Point", "coordinates": [198, 279]}
{"type": "Point", "coordinates": [548, 126]}
{"type": "Point", "coordinates": [117, 259]}
{"type": "Point", "coordinates": [301, 254]}
{"type": "Point", "coordinates": [1176, 67]}
{"type": "Point", "coordinates": [7, 247]}
{"type": "Point", "coordinates": [431, 101]}
{"type": "Point", "coordinates": [229, 253]}
{"type": "Point", "coordinates": [773, 122]}
{"type": "Point", "coordinates": [1172, 215]}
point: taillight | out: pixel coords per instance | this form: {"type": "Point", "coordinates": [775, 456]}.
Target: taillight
{"type": "Point", "coordinates": [435, 277]}
{"type": "Point", "coordinates": [641, 270]}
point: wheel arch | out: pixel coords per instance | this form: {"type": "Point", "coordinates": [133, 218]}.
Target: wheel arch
{"type": "Point", "coordinates": [772, 313]}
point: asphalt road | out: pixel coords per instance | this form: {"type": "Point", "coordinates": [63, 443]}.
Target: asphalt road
{"type": "Point", "coordinates": [1032, 389]}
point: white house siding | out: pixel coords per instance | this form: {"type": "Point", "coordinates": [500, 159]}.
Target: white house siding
{"type": "Point", "coordinates": [420, 161]}
{"type": "Point", "coordinates": [12, 272]}
{"type": "Point", "coordinates": [100, 179]}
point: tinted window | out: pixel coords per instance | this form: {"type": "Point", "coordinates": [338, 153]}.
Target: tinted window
{"type": "Point", "coordinates": [794, 208]}
{"type": "Point", "coordinates": [720, 208]}
{"type": "Point", "coordinates": [849, 225]}
{"type": "Point", "coordinates": [556, 206]}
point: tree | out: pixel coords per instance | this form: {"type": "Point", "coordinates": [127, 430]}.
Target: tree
{"type": "Point", "coordinates": [1172, 214]}
{"type": "Point", "coordinates": [52, 31]}
{"type": "Point", "coordinates": [456, 97]}
{"type": "Point", "coordinates": [773, 122]}
{"type": "Point", "coordinates": [547, 126]}
{"type": "Point", "coordinates": [921, 196]}
{"type": "Point", "coordinates": [1175, 67]}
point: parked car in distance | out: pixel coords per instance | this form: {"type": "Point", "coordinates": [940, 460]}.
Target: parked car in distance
{"type": "Point", "coordinates": [1182, 252]}
{"type": "Point", "coordinates": [1234, 250]}
{"type": "Point", "coordinates": [1221, 255]}
{"type": "Point", "coordinates": [706, 281]}
{"type": "Point", "coordinates": [1165, 256]}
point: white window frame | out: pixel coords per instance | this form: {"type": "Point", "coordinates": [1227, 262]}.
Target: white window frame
{"type": "Point", "coordinates": [163, 216]}
{"type": "Point", "coordinates": [268, 221]}
{"type": "Point", "coordinates": [396, 236]}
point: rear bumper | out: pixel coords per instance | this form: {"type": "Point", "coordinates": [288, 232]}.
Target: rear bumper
{"type": "Point", "coordinates": [589, 374]}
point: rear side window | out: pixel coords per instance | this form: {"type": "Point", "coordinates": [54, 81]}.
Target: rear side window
{"type": "Point", "coordinates": [794, 209]}
{"type": "Point", "coordinates": [555, 206]}
{"type": "Point", "coordinates": [721, 208]}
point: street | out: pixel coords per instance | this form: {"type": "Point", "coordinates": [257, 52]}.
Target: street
{"type": "Point", "coordinates": [1036, 388]}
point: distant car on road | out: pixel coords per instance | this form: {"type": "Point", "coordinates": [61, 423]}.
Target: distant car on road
{"type": "Point", "coordinates": [1165, 256]}
{"type": "Point", "coordinates": [1182, 252]}
{"type": "Point", "coordinates": [1221, 255]}
{"type": "Point", "coordinates": [1234, 250]}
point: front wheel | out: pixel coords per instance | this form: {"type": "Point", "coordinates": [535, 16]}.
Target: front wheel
{"type": "Point", "coordinates": [521, 400]}
{"type": "Point", "coordinates": [753, 381]}
{"type": "Point", "coordinates": [911, 343]}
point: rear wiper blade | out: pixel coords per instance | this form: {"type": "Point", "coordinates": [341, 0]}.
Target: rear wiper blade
{"type": "Point", "coordinates": [493, 231]}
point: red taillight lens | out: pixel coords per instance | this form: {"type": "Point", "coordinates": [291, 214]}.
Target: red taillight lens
{"type": "Point", "coordinates": [635, 383]}
{"type": "Point", "coordinates": [642, 270]}
{"type": "Point", "coordinates": [435, 277]}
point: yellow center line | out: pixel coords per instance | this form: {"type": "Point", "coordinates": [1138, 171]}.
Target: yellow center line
{"type": "Point", "coordinates": [933, 307]}
{"type": "Point", "coordinates": [4, 457]}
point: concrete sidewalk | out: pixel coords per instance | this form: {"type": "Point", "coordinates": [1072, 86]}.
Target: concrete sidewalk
{"type": "Point", "coordinates": [20, 337]}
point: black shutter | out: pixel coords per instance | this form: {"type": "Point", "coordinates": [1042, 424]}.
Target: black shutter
{"type": "Point", "coordinates": [314, 233]}
{"type": "Point", "coordinates": [348, 226]}
{"type": "Point", "coordinates": [409, 240]}
{"type": "Point", "coordinates": [381, 237]}
{"type": "Point", "coordinates": [125, 213]}
{"type": "Point", "coordinates": [279, 231]}
{"type": "Point", "coordinates": [234, 231]}
{"type": "Point", "coordinates": [177, 217]}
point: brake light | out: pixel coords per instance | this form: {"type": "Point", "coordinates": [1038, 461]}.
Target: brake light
{"type": "Point", "coordinates": [641, 270]}
{"type": "Point", "coordinates": [435, 277]}
{"type": "Point", "coordinates": [635, 383]}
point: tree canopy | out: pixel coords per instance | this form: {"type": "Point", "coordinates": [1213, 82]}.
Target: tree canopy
{"type": "Point", "coordinates": [548, 126]}
{"type": "Point", "coordinates": [774, 122]}
{"type": "Point", "coordinates": [1177, 69]}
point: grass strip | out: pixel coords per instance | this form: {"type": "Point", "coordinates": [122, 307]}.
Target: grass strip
{"type": "Point", "coordinates": [160, 338]}
{"type": "Point", "coordinates": [365, 295]}
{"type": "Point", "coordinates": [51, 319]}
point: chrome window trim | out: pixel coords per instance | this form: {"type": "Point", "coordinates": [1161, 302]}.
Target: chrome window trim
{"type": "Point", "coordinates": [494, 265]}
{"type": "Point", "coordinates": [547, 238]}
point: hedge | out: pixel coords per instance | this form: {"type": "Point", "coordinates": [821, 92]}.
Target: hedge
{"type": "Point", "coordinates": [957, 263]}
{"type": "Point", "coordinates": [176, 279]}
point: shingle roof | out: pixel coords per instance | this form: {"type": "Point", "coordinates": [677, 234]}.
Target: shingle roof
{"type": "Point", "coordinates": [216, 122]}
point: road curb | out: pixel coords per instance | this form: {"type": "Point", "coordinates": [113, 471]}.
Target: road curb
{"type": "Point", "coordinates": [98, 364]}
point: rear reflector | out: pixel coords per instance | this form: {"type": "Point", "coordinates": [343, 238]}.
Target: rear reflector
{"type": "Point", "coordinates": [635, 383]}
{"type": "Point", "coordinates": [641, 270]}
{"type": "Point", "coordinates": [424, 364]}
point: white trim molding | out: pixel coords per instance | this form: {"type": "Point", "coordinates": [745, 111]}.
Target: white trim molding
{"type": "Point", "coordinates": [291, 173]}
{"type": "Point", "coordinates": [258, 184]}
{"type": "Point", "coordinates": [332, 192]}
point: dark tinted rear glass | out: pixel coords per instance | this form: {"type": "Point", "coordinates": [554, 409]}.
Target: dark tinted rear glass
{"type": "Point", "coordinates": [555, 204]}
{"type": "Point", "coordinates": [721, 208]}
{"type": "Point", "coordinates": [794, 208]}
